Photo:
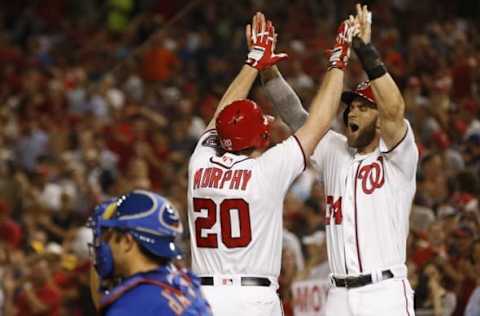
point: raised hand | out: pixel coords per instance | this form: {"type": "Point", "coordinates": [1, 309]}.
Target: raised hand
{"type": "Point", "coordinates": [248, 31]}
{"type": "Point", "coordinates": [364, 20]}
{"type": "Point", "coordinates": [339, 55]}
{"type": "Point", "coordinates": [261, 39]}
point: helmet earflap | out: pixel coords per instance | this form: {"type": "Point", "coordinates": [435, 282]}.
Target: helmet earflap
{"type": "Point", "coordinates": [102, 254]}
{"type": "Point", "coordinates": [104, 261]}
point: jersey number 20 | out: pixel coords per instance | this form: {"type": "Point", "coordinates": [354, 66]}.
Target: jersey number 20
{"type": "Point", "coordinates": [227, 205]}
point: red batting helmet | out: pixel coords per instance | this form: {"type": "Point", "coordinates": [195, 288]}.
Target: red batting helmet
{"type": "Point", "coordinates": [364, 91]}
{"type": "Point", "coordinates": [241, 125]}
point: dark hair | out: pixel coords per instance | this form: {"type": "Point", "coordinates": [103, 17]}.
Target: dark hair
{"type": "Point", "coordinates": [422, 291]}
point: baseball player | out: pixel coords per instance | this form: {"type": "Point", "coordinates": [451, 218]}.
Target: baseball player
{"type": "Point", "coordinates": [236, 188]}
{"type": "Point", "coordinates": [133, 247]}
{"type": "Point", "coordinates": [369, 180]}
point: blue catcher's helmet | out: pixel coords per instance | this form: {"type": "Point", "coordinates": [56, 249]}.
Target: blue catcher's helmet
{"type": "Point", "coordinates": [147, 216]}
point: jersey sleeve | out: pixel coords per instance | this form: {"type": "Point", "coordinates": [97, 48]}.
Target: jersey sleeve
{"type": "Point", "coordinates": [326, 150]}
{"type": "Point", "coordinates": [404, 155]}
{"type": "Point", "coordinates": [282, 163]}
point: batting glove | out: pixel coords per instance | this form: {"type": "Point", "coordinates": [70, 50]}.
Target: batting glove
{"type": "Point", "coordinates": [339, 55]}
{"type": "Point", "coordinates": [261, 55]}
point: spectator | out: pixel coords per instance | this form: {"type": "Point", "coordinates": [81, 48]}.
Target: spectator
{"type": "Point", "coordinates": [10, 231]}
{"type": "Point", "coordinates": [473, 306]}
{"type": "Point", "coordinates": [39, 295]}
{"type": "Point", "coordinates": [431, 297]}
{"type": "Point", "coordinates": [316, 266]}
{"type": "Point", "coordinates": [287, 275]}
{"type": "Point", "coordinates": [457, 267]}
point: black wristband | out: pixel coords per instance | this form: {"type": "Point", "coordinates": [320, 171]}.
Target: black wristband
{"type": "Point", "coordinates": [370, 58]}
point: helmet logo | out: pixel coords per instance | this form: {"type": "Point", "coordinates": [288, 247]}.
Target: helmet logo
{"type": "Point", "coordinates": [211, 141]}
{"type": "Point", "coordinates": [110, 210]}
{"type": "Point", "coordinates": [146, 239]}
{"type": "Point", "coordinates": [227, 143]}
{"type": "Point", "coordinates": [170, 218]}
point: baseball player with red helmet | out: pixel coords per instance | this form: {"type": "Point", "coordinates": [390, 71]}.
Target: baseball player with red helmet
{"type": "Point", "coordinates": [236, 186]}
{"type": "Point", "coordinates": [369, 181]}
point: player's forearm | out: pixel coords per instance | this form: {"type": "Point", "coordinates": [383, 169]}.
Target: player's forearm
{"type": "Point", "coordinates": [325, 103]}
{"type": "Point", "coordinates": [270, 74]}
{"type": "Point", "coordinates": [285, 101]}
{"type": "Point", "coordinates": [389, 98]}
{"type": "Point", "coordinates": [391, 105]}
{"type": "Point", "coordinates": [322, 111]}
{"type": "Point", "coordinates": [238, 89]}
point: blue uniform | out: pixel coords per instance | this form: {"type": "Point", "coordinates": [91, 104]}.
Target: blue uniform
{"type": "Point", "coordinates": [165, 291]}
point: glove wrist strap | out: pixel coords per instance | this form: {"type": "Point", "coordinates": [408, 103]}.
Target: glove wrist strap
{"type": "Point", "coordinates": [340, 66]}
{"type": "Point", "coordinates": [370, 59]}
{"type": "Point", "coordinates": [337, 59]}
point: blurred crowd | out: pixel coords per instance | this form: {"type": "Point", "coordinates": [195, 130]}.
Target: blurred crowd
{"type": "Point", "coordinates": [73, 133]}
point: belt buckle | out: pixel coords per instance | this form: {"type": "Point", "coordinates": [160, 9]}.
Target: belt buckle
{"type": "Point", "coordinates": [346, 282]}
{"type": "Point", "coordinates": [333, 282]}
{"type": "Point", "coordinates": [227, 281]}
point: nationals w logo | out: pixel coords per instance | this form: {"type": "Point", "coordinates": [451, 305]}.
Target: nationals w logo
{"type": "Point", "coordinates": [372, 176]}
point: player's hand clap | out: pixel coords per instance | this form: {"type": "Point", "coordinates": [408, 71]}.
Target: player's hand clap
{"type": "Point", "coordinates": [340, 53]}
{"type": "Point", "coordinates": [364, 19]}
{"type": "Point", "coordinates": [261, 40]}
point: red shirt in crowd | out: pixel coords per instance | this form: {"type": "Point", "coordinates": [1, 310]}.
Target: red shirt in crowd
{"type": "Point", "coordinates": [48, 295]}
{"type": "Point", "coordinates": [11, 233]}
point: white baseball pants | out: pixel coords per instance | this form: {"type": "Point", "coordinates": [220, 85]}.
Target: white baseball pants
{"type": "Point", "coordinates": [392, 297]}
{"type": "Point", "coordinates": [236, 300]}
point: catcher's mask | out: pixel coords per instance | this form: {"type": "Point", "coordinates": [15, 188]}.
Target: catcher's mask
{"type": "Point", "coordinates": [147, 216]}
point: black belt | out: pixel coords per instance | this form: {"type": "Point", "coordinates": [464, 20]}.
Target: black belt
{"type": "Point", "coordinates": [244, 281]}
{"type": "Point", "coordinates": [352, 282]}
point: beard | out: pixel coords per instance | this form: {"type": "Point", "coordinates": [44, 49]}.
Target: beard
{"type": "Point", "coordinates": [365, 136]}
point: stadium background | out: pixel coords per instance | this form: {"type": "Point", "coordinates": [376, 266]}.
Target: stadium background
{"type": "Point", "coordinates": [69, 140]}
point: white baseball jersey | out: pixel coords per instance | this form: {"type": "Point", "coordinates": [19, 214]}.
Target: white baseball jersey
{"type": "Point", "coordinates": [368, 202]}
{"type": "Point", "coordinates": [235, 206]}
